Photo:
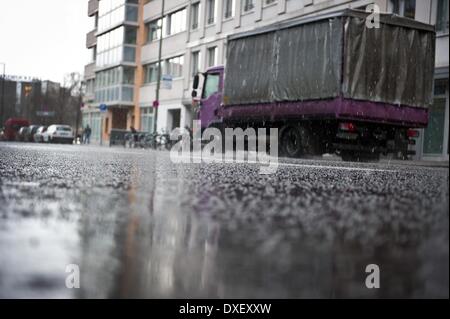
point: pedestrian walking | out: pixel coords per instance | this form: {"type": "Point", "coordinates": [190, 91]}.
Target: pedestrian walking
{"type": "Point", "coordinates": [87, 135]}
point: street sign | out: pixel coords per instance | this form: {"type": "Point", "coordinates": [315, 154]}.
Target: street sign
{"type": "Point", "coordinates": [155, 104]}
{"type": "Point", "coordinates": [103, 107]}
{"type": "Point", "coordinates": [167, 82]}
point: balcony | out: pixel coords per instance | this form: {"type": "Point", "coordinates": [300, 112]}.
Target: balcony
{"type": "Point", "coordinates": [89, 71]}
{"type": "Point", "coordinates": [92, 7]}
{"type": "Point", "coordinates": [91, 39]}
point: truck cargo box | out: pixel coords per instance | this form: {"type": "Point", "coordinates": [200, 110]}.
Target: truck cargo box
{"type": "Point", "coordinates": [332, 56]}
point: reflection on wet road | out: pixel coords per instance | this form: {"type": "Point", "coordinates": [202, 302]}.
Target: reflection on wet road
{"type": "Point", "coordinates": [139, 226]}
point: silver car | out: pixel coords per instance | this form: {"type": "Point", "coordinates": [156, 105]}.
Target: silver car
{"type": "Point", "coordinates": [58, 134]}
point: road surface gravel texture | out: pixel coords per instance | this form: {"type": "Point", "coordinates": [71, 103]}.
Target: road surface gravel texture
{"type": "Point", "coordinates": [138, 225]}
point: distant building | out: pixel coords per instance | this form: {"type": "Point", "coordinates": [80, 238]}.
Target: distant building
{"type": "Point", "coordinates": [124, 46]}
{"type": "Point", "coordinates": [41, 102]}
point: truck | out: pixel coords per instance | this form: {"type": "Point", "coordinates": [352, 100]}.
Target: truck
{"type": "Point", "coordinates": [330, 84]}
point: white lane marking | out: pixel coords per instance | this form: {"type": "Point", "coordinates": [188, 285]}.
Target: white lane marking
{"type": "Point", "coordinates": [339, 167]}
{"type": "Point", "coordinates": [272, 160]}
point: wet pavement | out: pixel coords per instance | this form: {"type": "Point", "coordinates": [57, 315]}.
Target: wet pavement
{"type": "Point", "coordinates": [138, 225]}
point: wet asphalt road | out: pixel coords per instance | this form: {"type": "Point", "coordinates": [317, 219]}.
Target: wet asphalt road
{"type": "Point", "coordinates": [139, 226]}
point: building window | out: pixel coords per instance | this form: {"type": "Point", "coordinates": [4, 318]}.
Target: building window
{"type": "Point", "coordinates": [154, 30]}
{"type": "Point", "coordinates": [151, 73]}
{"type": "Point", "coordinates": [131, 13]}
{"type": "Point", "coordinates": [115, 12]}
{"type": "Point", "coordinates": [171, 24]}
{"type": "Point", "coordinates": [211, 11]}
{"type": "Point", "coordinates": [442, 16]}
{"type": "Point", "coordinates": [176, 22]}
{"type": "Point", "coordinates": [212, 56]}
{"type": "Point", "coordinates": [129, 54]}
{"type": "Point", "coordinates": [406, 8]}
{"type": "Point", "coordinates": [228, 8]}
{"type": "Point", "coordinates": [248, 5]}
{"type": "Point", "coordinates": [195, 15]}
{"type": "Point", "coordinates": [114, 84]}
{"type": "Point", "coordinates": [174, 66]}
{"type": "Point", "coordinates": [111, 49]}
{"type": "Point", "coordinates": [195, 63]}
{"type": "Point", "coordinates": [147, 119]}
{"type": "Point", "coordinates": [127, 94]}
{"type": "Point", "coordinates": [128, 75]}
{"type": "Point", "coordinates": [130, 35]}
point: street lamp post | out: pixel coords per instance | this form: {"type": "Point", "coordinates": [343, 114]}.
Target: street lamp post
{"type": "Point", "coordinates": [158, 80]}
{"type": "Point", "coordinates": [2, 106]}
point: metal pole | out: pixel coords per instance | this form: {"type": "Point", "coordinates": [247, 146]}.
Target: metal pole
{"type": "Point", "coordinates": [3, 93]}
{"type": "Point", "coordinates": [80, 101]}
{"type": "Point", "coordinates": [158, 80]}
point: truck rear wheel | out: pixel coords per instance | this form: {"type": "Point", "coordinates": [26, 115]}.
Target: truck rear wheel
{"type": "Point", "coordinates": [291, 141]}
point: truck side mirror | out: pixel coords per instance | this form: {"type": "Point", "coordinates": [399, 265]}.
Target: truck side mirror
{"type": "Point", "coordinates": [196, 81]}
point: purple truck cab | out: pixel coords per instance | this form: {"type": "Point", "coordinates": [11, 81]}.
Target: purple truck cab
{"type": "Point", "coordinates": [211, 98]}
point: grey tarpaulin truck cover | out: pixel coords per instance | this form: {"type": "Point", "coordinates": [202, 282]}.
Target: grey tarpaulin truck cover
{"type": "Point", "coordinates": [331, 56]}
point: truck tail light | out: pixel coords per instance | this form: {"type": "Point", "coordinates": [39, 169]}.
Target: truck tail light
{"type": "Point", "coordinates": [413, 133]}
{"type": "Point", "coordinates": [348, 127]}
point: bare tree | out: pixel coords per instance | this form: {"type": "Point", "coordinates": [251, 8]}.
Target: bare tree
{"type": "Point", "coordinates": [71, 99]}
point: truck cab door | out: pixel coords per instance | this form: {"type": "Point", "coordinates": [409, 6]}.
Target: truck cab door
{"type": "Point", "coordinates": [211, 99]}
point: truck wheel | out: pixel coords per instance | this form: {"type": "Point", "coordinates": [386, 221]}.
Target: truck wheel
{"type": "Point", "coordinates": [291, 141]}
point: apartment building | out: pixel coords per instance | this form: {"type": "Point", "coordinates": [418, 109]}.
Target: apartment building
{"type": "Point", "coordinates": [110, 76]}
{"type": "Point", "coordinates": [194, 34]}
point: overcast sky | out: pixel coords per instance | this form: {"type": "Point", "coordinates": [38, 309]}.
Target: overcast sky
{"type": "Point", "coordinates": [43, 38]}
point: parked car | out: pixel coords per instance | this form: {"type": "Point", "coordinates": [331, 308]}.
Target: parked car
{"type": "Point", "coordinates": [29, 136]}
{"type": "Point", "coordinates": [12, 127]}
{"type": "Point", "coordinates": [38, 136]}
{"type": "Point", "coordinates": [58, 134]}
{"type": "Point", "coordinates": [22, 134]}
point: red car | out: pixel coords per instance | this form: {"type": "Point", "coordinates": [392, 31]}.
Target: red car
{"type": "Point", "coordinates": [12, 127]}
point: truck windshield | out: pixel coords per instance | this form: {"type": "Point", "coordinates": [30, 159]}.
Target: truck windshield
{"type": "Point", "coordinates": [211, 85]}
